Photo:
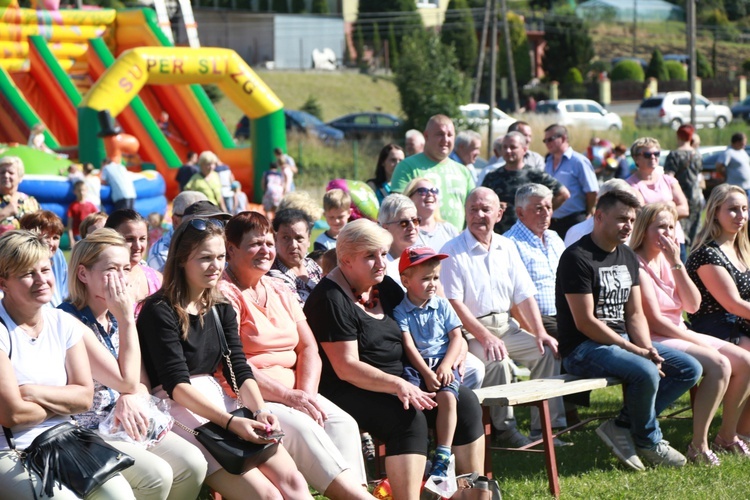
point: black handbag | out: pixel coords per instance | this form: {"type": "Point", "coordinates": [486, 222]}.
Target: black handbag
{"type": "Point", "coordinates": [233, 453]}
{"type": "Point", "coordinates": [69, 455]}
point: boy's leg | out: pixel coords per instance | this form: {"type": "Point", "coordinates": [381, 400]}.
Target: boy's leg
{"type": "Point", "coordinates": [445, 425]}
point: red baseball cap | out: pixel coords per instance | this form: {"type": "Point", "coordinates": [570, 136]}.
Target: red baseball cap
{"type": "Point", "coordinates": [415, 255]}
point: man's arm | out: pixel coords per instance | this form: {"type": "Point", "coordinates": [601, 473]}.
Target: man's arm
{"type": "Point", "coordinates": [591, 202]}
{"type": "Point", "coordinates": [561, 197]}
{"type": "Point", "coordinates": [494, 348]}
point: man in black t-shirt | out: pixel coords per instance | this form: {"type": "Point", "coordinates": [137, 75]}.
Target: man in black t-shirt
{"type": "Point", "coordinates": [603, 333]}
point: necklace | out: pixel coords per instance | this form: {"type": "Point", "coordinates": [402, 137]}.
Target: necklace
{"type": "Point", "coordinates": [374, 294]}
{"type": "Point", "coordinates": [249, 289]}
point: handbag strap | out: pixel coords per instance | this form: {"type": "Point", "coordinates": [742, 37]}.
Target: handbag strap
{"type": "Point", "coordinates": [226, 352]}
{"type": "Point", "coordinates": [8, 433]}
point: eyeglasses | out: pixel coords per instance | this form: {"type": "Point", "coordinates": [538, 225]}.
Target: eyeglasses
{"type": "Point", "coordinates": [404, 223]}
{"type": "Point", "coordinates": [202, 224]}
{"type": "Point", "coordinates": [651, 154]}
{"type": "Point", "coordinates": [423, 191]}
{"type": "Point", "coordinates": [551, 138]}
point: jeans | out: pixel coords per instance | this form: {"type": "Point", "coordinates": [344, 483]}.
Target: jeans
{"type": "Point", "coordinates": [646, 393]}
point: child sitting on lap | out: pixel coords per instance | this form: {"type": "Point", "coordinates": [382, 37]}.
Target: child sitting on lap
{"type": "Point", "coordinates": [432, 341]}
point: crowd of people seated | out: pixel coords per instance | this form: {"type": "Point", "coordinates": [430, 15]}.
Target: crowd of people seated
{"type": "Point", "coordinates": [386, 328]}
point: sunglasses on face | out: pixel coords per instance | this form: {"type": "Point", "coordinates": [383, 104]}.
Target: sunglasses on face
{"type": "Point", "coordinates": [423, 191]}
{"type": "Point", "coordinates": [651, 154]}
{"type": "Point", "coordinates": [551, 138]}
{"type": "Point", "coordinates": [404, 223]}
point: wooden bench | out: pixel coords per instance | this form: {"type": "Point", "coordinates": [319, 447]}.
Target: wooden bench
{"type": "Point", "coordinates": [535, 393]}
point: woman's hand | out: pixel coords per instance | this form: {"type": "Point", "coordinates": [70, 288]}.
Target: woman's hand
{"type": "Point", "coordinates": [119, 301]}
{"type": "Point", "coordinates": [306, 403]}
{"type": "Point", "coordinates": [412, 395]}
{"type": "Point", "coordinates": [130, 412]}
{"type": "Point", "coordinates": [670, 248]}
{"type": "Point", "coordinates": [256, 431]}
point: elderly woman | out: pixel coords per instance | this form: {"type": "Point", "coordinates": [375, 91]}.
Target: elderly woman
{"type": "Point", "coordinates": [207, 181]}
{"type": "Point", "coordinates": [350, 313]}
{"type": "Point", "coordinates": [143, 281]}
{"type": "Point", "coordinates": [292, 265]}
{"type": "Point", "coordinates": [398, 215]}
{"type": "Point", "coordinates": [100, 264]}
{"type": "Point", "coordinates": [433, 230]}
{"type": "Point", "coordinates": [667, 290]}
{"type": "Point", "coordinates": [390, 156]}
{"type": "Point", "coordinates": [181, 329]}
{"type": "Point", "coordinates": [33, 400]}
{"type": "Point", "coordinates": [652, 186]}
{"type": "Point", "coordinates": [281, 349]}
{"type": "Point", "coordinates": [13, 204]}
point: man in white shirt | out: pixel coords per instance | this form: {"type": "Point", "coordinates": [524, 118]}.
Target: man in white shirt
{"type": "Point", "coordinates": [485, 279]}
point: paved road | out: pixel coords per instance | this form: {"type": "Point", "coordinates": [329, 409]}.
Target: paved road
{"type": "Point", "coordinates": [624, 108]}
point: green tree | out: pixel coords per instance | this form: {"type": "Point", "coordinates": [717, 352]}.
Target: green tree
{"type": "Point", "coordinates": [459, 31]}
{"type": "Point", "coordinates": [312, 106]}
{"type": "Point", "coordinates": [425, 87]}
{"type": "Point", "coordinates": [377, 44]}
{"type": "Point", "coordinates": [656, 68]}
{"type": "Point", "coordinates": [320, 7]}
{"type": "Point", "coordinates": [676, 70]}
{"type": "Point", "coordinates": [359, 45]}
{"type": "Point", "coordinates": [628, 70]}
{"type": "Point", "coordinates": [568, 45]}
{"type": "Point", "coordinates": [298, 6]}
{"type": "Point", "coordinates": [405, 23]}
{"type": "Point", "coordinates": [702, 66]}
{"type": "Point", "coordinates": [280, 6]}
{"type": "Point", "coordinates": [519, 44]}
{"type": "Point", "coordinates": [392, 46]}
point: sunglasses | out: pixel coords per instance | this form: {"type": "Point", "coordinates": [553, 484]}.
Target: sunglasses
{"type": "Point", "coordinates": [404, 223]}
{"type": "Point", "coordinates": [423, 191]}
{"type": "Point", "coordinates": [651, 154]}
{"type": "Point", "coordinates": [202, 224]}
{"type": "Point", "coordinates": [551, 138]}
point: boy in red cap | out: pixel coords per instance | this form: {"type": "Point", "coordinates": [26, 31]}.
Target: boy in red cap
{"type": "Point", "coordinates": [432, 341]}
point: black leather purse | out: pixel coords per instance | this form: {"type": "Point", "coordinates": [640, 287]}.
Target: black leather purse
{"type": "Point", "coordinates": [69, 455]}
{"type": "Point", "coordinates": [233, 453]}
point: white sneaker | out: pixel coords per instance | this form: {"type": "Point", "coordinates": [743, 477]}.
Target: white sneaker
{"type": "Point", "coordinates": [663, 455]}
{"type": "Point", "coordinates": [620, 441]}
{"type": "Point", "coordinates": [513, 438]}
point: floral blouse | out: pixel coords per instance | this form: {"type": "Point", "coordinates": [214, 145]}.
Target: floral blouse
{"type": "Point", "coordinates": [26, 205]}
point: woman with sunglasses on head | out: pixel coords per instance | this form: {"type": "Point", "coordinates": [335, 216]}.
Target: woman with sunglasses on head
{"type": "Point", "coordinates": [398, 215]}
{"type": "Point", "coordinates": [99, 268]}
{"type": "Point", "coordinates": [652, 186]}
{"type": "Point", "coordinates": [143, 280]}
{"type": "Point", "coordinates": [433, 230]}
{"type": "Point", "coordinates": [182, 349]}
{"type": "Point", "coordinates": [390, 156]}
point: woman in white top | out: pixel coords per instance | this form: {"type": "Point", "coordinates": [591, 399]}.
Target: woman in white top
{"type": "Point", "coordinates": [433, 230]}
{"type": "Point", "coordinates": [44, 370]}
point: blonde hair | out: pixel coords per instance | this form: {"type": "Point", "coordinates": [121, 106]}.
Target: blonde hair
{"type": "Point", "coordinates": [336, 199]}
{"type": "Point", "coordinates": [86, 253]}
{"type": "Point", "coordinates": [301, 201]}
{"type": "Point", "coordinates": [20, 250]}
{"type": "Point", "coordinates": [89, 221]}
{"type": "Point", "coordinates": [13, 161]}
{"type": "Point", "coordinates": [712, 229]}
{"type": "Point", "coordinates": [645, 218]}
{"type": "Point", "coordinates": [361, 235]}
{"type": "Point", "coordinates": [208, 158]}
{"type": "Point", "coordinates": [411, 188]}
{"type": "Point", "coordinates": [640, 143]}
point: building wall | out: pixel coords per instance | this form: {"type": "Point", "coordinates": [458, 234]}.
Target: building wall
{"type": "Point", "coordinates": [296, 36]}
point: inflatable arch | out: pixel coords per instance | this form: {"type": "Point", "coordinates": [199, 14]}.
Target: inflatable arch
{"type": "Point", "coordinates": [135, 68]}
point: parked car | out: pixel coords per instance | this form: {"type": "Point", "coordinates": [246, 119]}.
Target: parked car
{"type": "Point", "coordinates": [583, 112]}
{"type": "Point", "coordinates": [711, 156]}
{"type": "Point", "coordinates": [359, 125]}
{"type": "Point", "coordinates": [673, 109]}
{"type": "Point", "coordinates": [306, 123]}
{"type": "Point", "coordinates": [741, 110]}
{"type": "Point", "coordinates": [476, 116]}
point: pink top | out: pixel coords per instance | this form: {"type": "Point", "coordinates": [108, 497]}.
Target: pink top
{"type": "Point", "coordinates": [665, 289]}
{"type": "Point", "coordinates": [152, 278]}
{"type": "Point", "coordinates": [659, 191]}
{"type": "Point", "coordinates": [269, 334]}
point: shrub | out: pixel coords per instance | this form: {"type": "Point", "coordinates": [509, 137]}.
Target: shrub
{"type": "Point", "coordinates": [746, 66]}
{"type": "Point", "coordinates": [460, 32]}
{"type": "Point", "coordinates": [573, 76]}
{"type": "Point", "coordinates": [656, 68]}
{"type": "Point", "coordinates": [703, 67]}
{"type": "Point", "coordinates": [312, 106]}
{"type": "Point", "coordinates": [628, 71]}
{"type": "Point", "coordinates": [676, 70]}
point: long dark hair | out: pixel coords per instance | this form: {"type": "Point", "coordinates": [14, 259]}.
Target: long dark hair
{"type": "Point", "coordinates": [380, 167]}
{"type": "Point", "coordinates": [174, 287]}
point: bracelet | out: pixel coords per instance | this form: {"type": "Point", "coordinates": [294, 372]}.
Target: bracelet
{"type": "Point", "coordinates": [259, 411]}
{"type": "Point", "coordinates": [226, 427]}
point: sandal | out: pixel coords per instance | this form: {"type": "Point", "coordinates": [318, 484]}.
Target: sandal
{"type": "Point", "coordinates": [707, 457]}
{"type": "Point", "coordinates": [737, 447]}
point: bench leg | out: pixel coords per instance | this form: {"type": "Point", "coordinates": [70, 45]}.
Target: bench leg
{"type": "Point", "coordinates": [549, 448]}
{"type": "Point", "coordinates": [487, 423]}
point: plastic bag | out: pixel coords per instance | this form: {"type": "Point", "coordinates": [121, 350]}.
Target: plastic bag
{"type": "Point", "coordinates": [446, 486]}
{"type": "Point", "coordinates": [159, 422]}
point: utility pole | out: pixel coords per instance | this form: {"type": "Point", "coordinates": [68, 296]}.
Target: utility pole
{"type": "Point", "coordinates": [635, 24]}
{"type": "Point", "coordinates": [482, 50]}
{"type": "Point", "coordinates": [509, 55]}
{"type": "Point", "coordinates": [691, 54]}
{"type": "Point", "coordinates": [493, 77]}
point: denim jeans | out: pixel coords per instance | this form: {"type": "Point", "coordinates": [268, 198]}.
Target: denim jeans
{"type": "Point", "coordinates": [646, 393]}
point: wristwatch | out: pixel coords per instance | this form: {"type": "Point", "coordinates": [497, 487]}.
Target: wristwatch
{"type": "Point", "coordinates": [677, 266]}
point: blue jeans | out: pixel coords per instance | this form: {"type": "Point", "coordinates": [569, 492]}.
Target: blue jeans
{"type": "Point", "coordinates": [646, 393]}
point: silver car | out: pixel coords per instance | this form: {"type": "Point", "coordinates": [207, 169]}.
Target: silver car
{"type": "Point", "coordinates": [581, 112]}
{"type": "Point", "coordinates": [673, 109]}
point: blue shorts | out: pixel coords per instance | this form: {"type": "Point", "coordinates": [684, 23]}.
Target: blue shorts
{"type": "Point", "coordinates": [413, 376]}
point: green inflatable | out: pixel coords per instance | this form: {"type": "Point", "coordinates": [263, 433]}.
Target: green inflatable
{"type": "Point", "coordinates": [36, 162]}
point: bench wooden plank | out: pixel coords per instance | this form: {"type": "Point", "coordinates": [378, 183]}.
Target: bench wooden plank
{"type": "Point", "coordinates": [539, 389]}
